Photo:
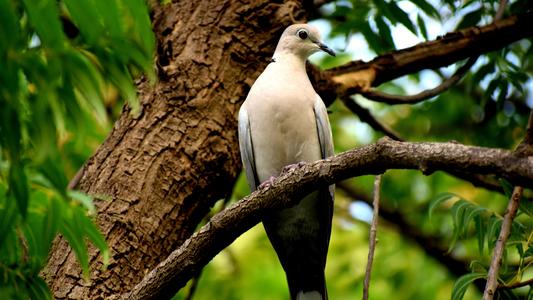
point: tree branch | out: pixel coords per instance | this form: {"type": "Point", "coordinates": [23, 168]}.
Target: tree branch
{"type": "Point", "coordinates": [445, 50]}
{"type": "Point", "coordinates": [174, 272]}
{"type": "Point", "coordinates": [355, 76]}
{"type": "Point", "coordinates": [430, 93]}
{"type": "Point", "coordinates": [365, 116]}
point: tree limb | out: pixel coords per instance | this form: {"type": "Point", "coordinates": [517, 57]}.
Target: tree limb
{"type": "Point", "coordinates": [365, 116]}
{"type": "Point", "coordinates": [174, 272]}
{"type": "Point", "coordinates": [355, 76]}
{"type": "Point", "coordinates": [443, 86]}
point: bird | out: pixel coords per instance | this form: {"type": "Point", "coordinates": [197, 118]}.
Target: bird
{"type": "Point", "coordinates": [283, 122]}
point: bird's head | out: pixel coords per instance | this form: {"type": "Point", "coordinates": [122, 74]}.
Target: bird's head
{"type": "Point", "coordinates": [302, 40]}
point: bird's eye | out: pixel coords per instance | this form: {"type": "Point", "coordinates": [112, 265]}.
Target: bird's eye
{"type": "Point", "coordinates": [302, 33]}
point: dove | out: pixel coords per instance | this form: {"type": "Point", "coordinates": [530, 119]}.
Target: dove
{"type": "Point", "coordinates": [282, 122]}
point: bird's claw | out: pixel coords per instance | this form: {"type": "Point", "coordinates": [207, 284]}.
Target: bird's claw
{"type": "Point", "coordinates": [267, 183]}
{"type": "Point", "coordinates": [292, 167]}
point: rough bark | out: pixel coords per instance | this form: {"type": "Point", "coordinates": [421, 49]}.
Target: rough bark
{"type": "Point", "coordinates": [174, 272]}
{"type": "Point", "coordinates": [163, 169]}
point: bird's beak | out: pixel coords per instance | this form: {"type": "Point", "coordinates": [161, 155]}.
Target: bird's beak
{"type": "Point", "coordinates": [326, 49]}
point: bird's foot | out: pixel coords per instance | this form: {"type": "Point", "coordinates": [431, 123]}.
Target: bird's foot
{"type": "Point", "coordinates": [291, 167]}
{"type": "Point", "coordinates": [267, 183]}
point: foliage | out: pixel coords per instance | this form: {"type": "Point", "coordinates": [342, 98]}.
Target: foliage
{"type": "Point", "coordinates": [61, 64]}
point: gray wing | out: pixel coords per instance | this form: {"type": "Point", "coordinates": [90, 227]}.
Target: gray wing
{"type": "Point", "coordinates": [325, 138]}
{"type": "Point", "coordinates": [323, 127]}
{"type": "Point", "coordinates": [247, 150]}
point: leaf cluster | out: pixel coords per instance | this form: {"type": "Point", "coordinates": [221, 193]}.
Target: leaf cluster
{"type": "Point", "coordinates": [63, 66]}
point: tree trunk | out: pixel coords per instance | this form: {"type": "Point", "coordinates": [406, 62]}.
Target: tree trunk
{"type": "Point", "coordinates": [164, 168]}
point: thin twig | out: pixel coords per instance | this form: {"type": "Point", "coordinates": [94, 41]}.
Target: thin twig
{"type": "Point", "coordinates": [194, 285]}
{"type": "Point", "coordinates": [515, 285]}
{"type": "Point", "coordinates": [365, 116]}
{"type": "Point", "coordinates": [372, 239]}
{"type": "Point", "coordinates": [501, 10]}
{"type": "Point", "coordinates": [382, 97]}
{"type": "Point", "coordinates": [492, 277]}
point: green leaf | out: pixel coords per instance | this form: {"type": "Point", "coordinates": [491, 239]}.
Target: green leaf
{"type": "Point", "coordinates": [9, 26]}
{"type": "Point", "coordinates": [52, 221]}
{"type": "Point", "coordinates": [529, 252]}
{"type": "Point", "coordinates": [385, 33]}
{"type": "Point", "coordinates": [88, 81]}
{"type": "Point", "coordinates": [372, 38]}
{"type": "Point", "coordinates": [422, 26]}
{"type": "Point", "coordinates": [143, 27]}
{"type": "Point", "coordinates": [483, 71]}
{"type": "Point", "coordinates": [470, 19]}
{"type": "Point", "coordinates": [86, 18]}
{"type": "Point", "coordinates": [438, 200]}
{"type": "Point", "coordinates": [507, 187]}
{"type": "Point", "coordinates": [495, 224]}
{"type": "Point", "coordinates": [83, 199]}
{"type": "Point", "coordinates": [458, 213]}
{"type": "Point", "coordinates": [503, 86]}
{"type": "Point", "coordinates": [8, 214]}
{"type": "Point", "coordinates": [427, 8]}
{"type": "Point", "coordinates": [109, 13]}
{"type": "Point", "coordinates": [399, 15]}
{"type": "Point", "coordinates": [75, 237]}
{"type": "Point", "coordinates": [44, 16]}
{"type": "Point", "coordinates": [526, 206]}
{"type": "Point", "coordinates": [94, 235]}
{"type": "Point", "coordinates": [481, 230]}
{"type": "Point", "coordinates": [461, 285]}
{"type": "Point", "coordinates": [492, 87]}
{"type": "Point", "coordinates": [121, 77]}
{"type": "Point", "coordinates": [18, 186]}
{"type": "Point", "coordinates": [37, 289]}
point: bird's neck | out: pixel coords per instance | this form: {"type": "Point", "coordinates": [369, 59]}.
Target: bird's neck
{"type": "Point", "coordinates": [290, 60]}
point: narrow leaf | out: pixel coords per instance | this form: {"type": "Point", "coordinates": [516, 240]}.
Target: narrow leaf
{"type": "Point", "coordinates": [438, 200]}
{"type": "Point", "coordinates": [44, 16]}
{"type": "Point", "coordinates": [400, 16]}
{"type": "Point", "coordinates": [427, 8]}
{"type": "Point", "coordinates": [37, 289]}
{"type": "Point", "coordinates": [461, 285]}
{"type": "Point", "coordinates": [507, 187]}
{"type": "Point", "coordinates": [75, 237]}
{"type": "Point", "coordinates": [481, 230]}
{"type": "Point", "coordinates": [93, 233]}
{"type": "Point", "coordinates": [470, 19]}
{"type": "Point", "coordinates": [422, 26]}
{"type": "Point", "coordinates": [18, 186]}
